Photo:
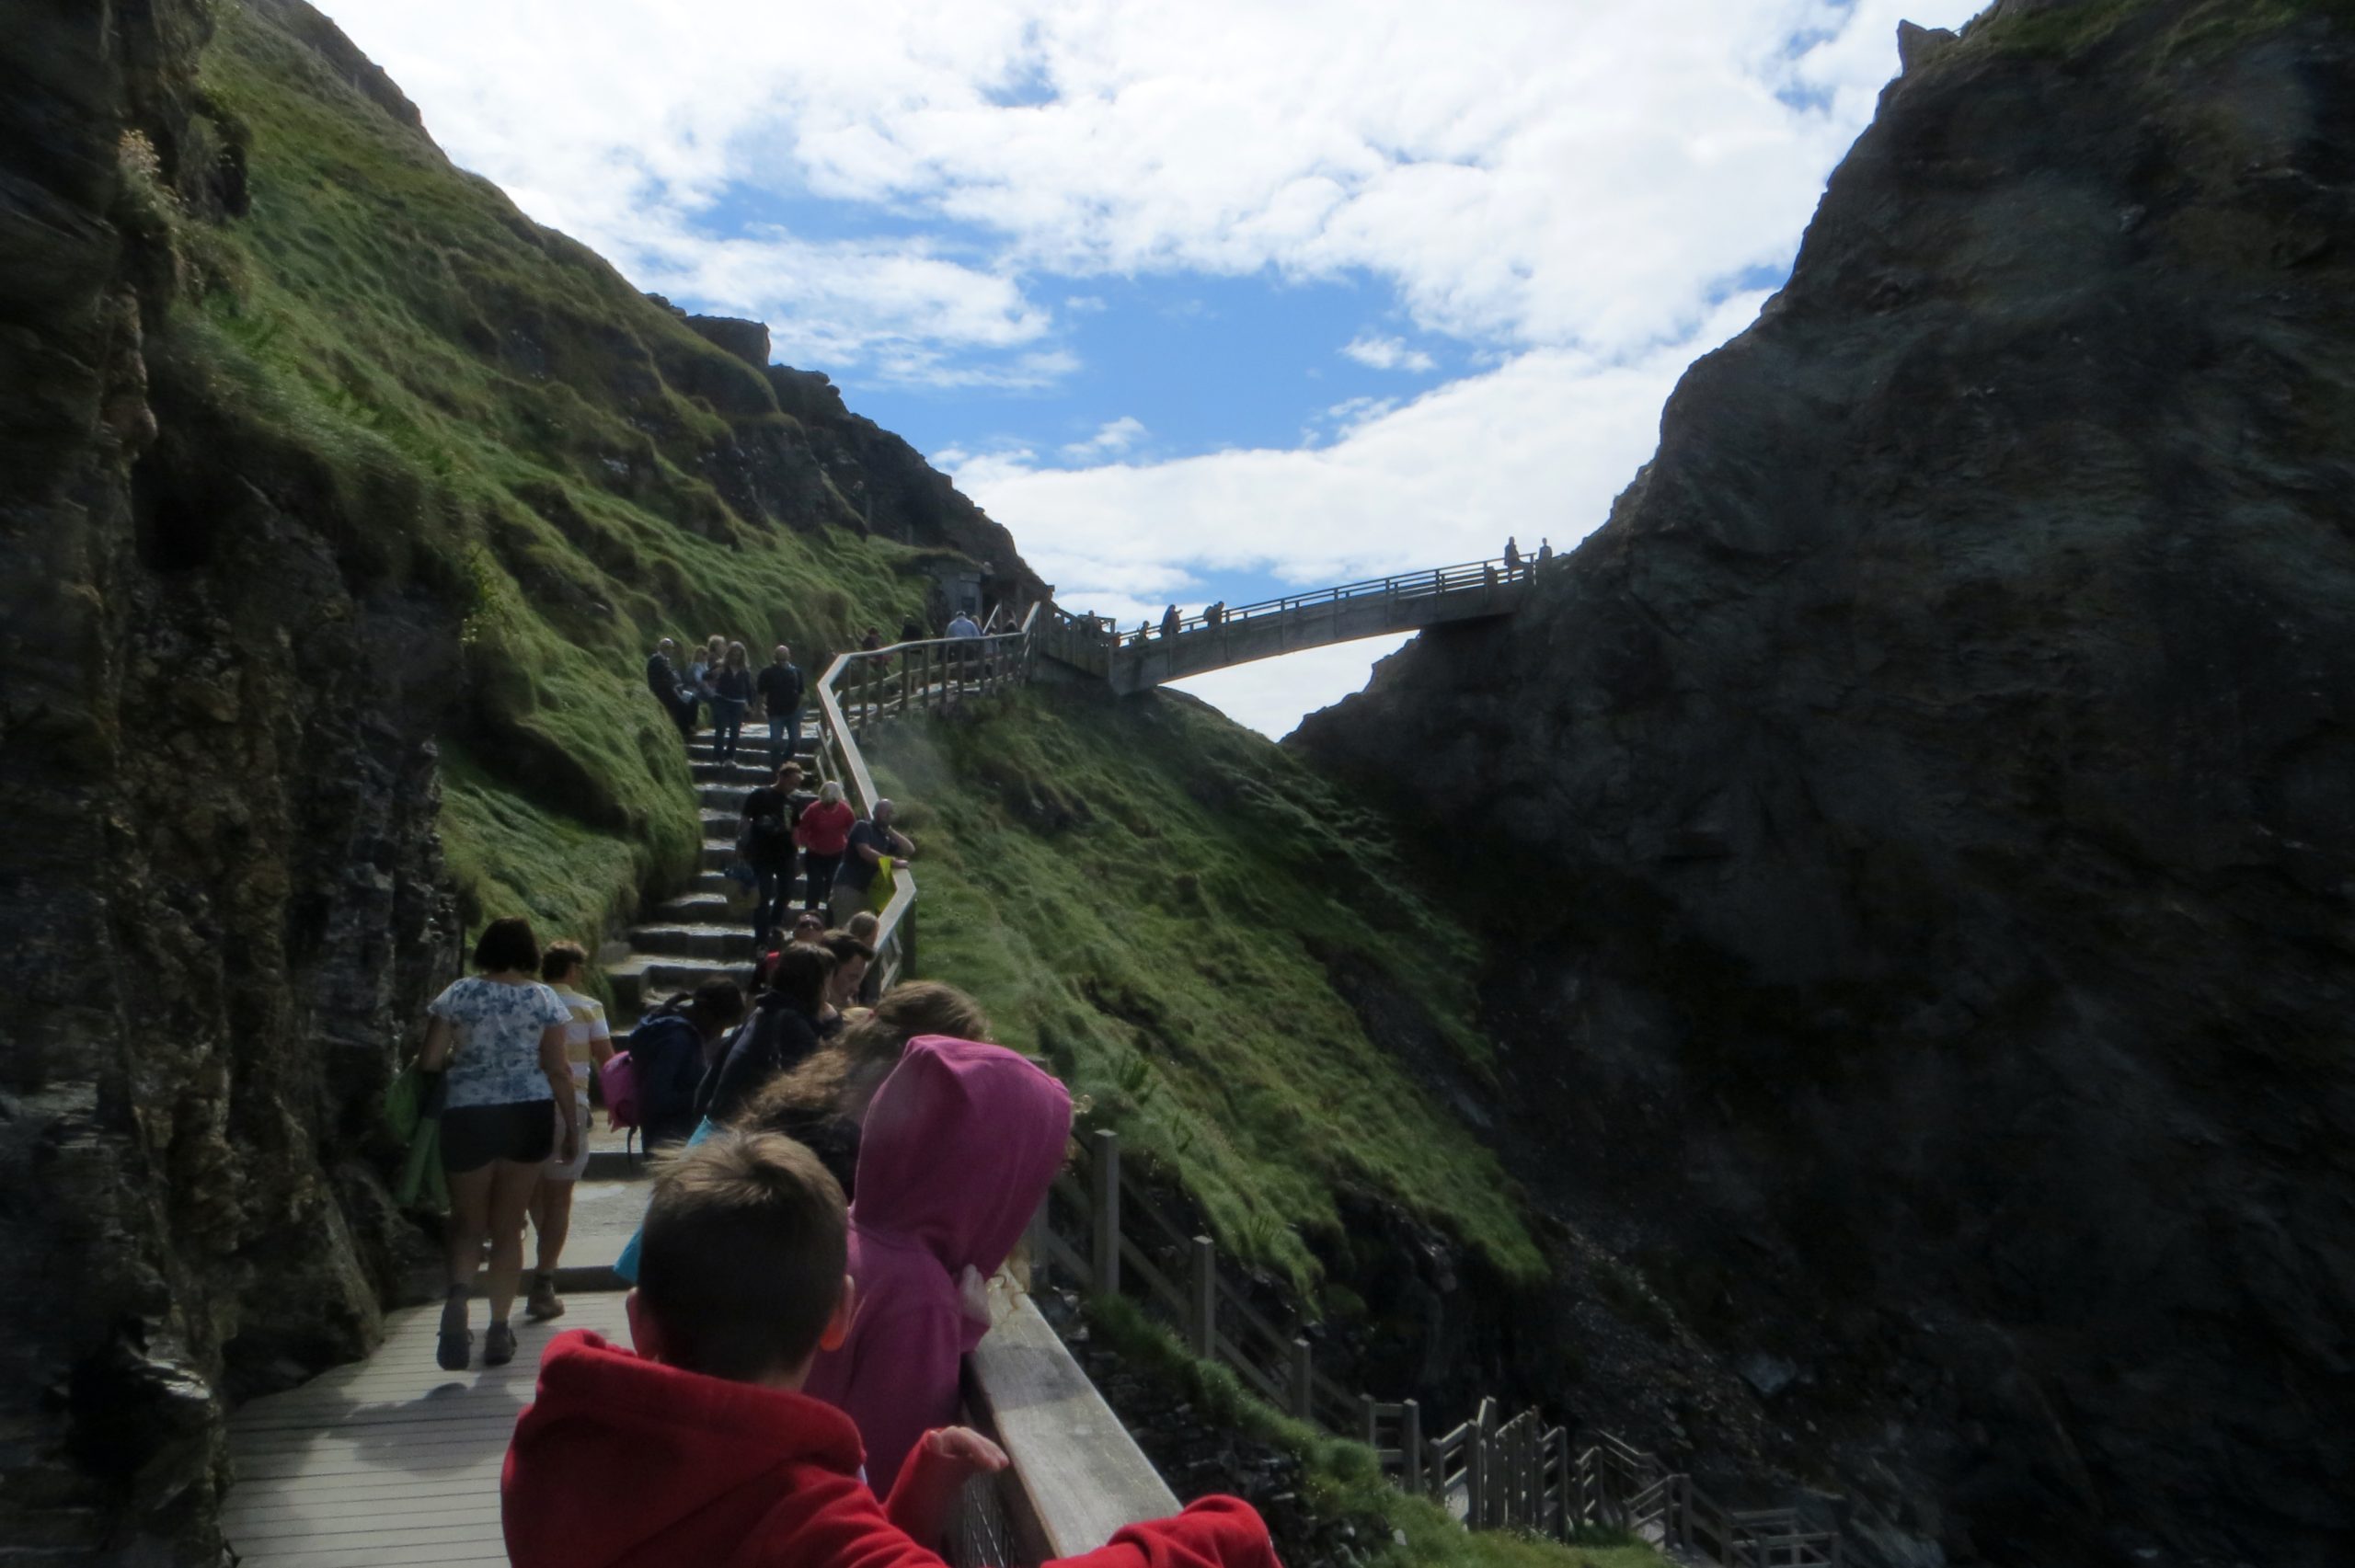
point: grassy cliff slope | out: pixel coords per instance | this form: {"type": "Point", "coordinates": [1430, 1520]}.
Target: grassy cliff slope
{"type": "Point", "coordinates": [514, 433]}
{"type": "Point", "coordinates": [1216, 948]}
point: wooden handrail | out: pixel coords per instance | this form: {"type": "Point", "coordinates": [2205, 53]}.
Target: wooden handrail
{"type": "Point", "coordinates": [1076, 1475]}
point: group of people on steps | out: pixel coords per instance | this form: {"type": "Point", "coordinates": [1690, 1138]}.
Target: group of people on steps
{"type": "Point", "coordinates": [839, 1177]}
{"type": "Point", "coordinates": [720, 680]}
{"type": "Point", "coordinates": [830, 1206]}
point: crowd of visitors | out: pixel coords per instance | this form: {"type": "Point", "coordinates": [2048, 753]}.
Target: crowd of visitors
{"type": "Point", "coordinates": [840, 1175]}
{"type": "Point", "coordinates": [810, 1274]}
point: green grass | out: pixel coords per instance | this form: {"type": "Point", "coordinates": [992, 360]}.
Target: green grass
{"type": "Point", "coordinates": [1157, 900]}
{"type": "Point", "coordinates": [1341, 1479]}
{"type": "Point", "coordinates": [478, 412]}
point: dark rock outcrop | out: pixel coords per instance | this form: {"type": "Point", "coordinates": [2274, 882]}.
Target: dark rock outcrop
{"type": "Point", "coordinates": [219, 876]}
{"type": "Point", "coordinates": [1925, 942]}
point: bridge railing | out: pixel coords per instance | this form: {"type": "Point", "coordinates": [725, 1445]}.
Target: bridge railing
{"type": "Point", "coordinates": [1493, 578]}
{"type": "Point", "coordinates": [865, 685]}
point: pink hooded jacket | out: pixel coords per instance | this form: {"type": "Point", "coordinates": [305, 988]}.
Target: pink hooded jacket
{"type": "Point", "coordinates": [961, 1144]}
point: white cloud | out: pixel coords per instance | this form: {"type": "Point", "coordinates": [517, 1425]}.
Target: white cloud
{"type": "Point", "coordinates": [1579, 195]}
{"type": "Point", "coordinates": [1388, 354]}
{"type": "Point", "coordinates": [1271, 695]}
{"type": "Point", "coordinates": [1576, 176]}
{"type": "Point", "coordinates": [1111, 438]}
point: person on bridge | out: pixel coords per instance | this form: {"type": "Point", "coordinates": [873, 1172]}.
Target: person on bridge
{"type": "Point", "coordinates": [498, 1037]}
{"type": "Point", "coordinates": [823, 832]}
{"type": "Point", "coordinates": [1512, 559]}
{"type": "Point", "coordinates": [1169, 622]}
{"type": "Point", "coordinates": [911, 630]}
{"type": "Point", "coordinates": [782, 1032]}
{"type": "Point", "coordinates": [962, 626]}
{"type": "Point", "coordinates": [781, 689]}
{"type": "Point", "coordinates": [961, 1144]}
{"type": "Point", "coordinates": [701, 1447]}
{"type": "Point", "coordinates": [588, 1044]}
{"type": "Point", "coordinates": [1544, 549]}
{"type": "Point", "coordinates": [668, 1049]}
{"type": "Point", "coordinates": [870, 844]}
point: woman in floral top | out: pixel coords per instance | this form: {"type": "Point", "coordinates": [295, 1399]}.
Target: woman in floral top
{"type": "Point", "coordinates": [500, 1035]}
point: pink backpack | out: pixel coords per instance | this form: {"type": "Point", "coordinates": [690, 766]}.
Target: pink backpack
{"type": "Point", "coordinates": [617, 1085]}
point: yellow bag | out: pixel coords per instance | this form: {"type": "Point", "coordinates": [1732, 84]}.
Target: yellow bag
{"type": "Point", "coordinates": [879, 892]}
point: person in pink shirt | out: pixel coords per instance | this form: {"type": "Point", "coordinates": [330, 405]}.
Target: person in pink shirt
{"type": "Point", "coordinates": [961, 1144]}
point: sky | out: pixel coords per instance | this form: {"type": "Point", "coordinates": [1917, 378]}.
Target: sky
{"type": "Point", "coordinates": [1211, 302]}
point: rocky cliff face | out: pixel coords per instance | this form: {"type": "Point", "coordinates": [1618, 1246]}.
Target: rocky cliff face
{"type": "Point", "coordinates": [1916, 828]}
{"type": "Point", "coordinates": [251, 580]}
{"type": "Point", "coordinates": [219, 878]}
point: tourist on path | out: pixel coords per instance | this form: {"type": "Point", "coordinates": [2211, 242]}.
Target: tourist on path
{"type": "Point", "coordinates": [871, 641]}
{"type": "Point", "coordinates": [962, 660]}
{"type": "Point", "coordinates": [1169, 621]}
{"type": "Point", "coordinates": [781, 1032]}
{"type": "Point", "coordinates": [732, 694]}
{"type": "Point", "coordinates": [869, 843]}
{"type": "Point", "coordinates": [588, 1045]}
{"type": "Point", "coordinates": [824, 1102]}
{"type": "Point", "coordinates": [667, 1050]}
{"type": "Point", "coordinates": [702, 1448]}
{"type": "Point", "coordinates": [662, 679]}
{"type": "Point", "coordinates": [1512, 559]}
{"type": "Point", "coordinates": [499, 1035]}
{"type": "Point", "coordinates": [962, 628]}
{"type": "Point", "coordinates": [911, 630]}
{"type": "Point", "coordinates": [959, 1150]}
{"type": "Point", "coordinates": [766, 840]}
{"type": "Point", "coordinates": [852, 958]}
{"type": "Point", "coordinates": [1544, 550]}
{"type": "Point", "coordinates": [706, 665]}
{"type": "Point", "coordinates": [823, 834]}
{"type": "Point", "coordinates": [782, 689]}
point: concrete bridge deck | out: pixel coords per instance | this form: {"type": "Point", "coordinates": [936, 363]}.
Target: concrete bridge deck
{"type": "Point", "coordinates": [1406, 602]}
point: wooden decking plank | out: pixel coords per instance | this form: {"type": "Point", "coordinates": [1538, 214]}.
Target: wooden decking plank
{"type": "Point", "coordinates": [393, 1462]}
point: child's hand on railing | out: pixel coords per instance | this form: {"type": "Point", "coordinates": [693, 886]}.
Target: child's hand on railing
{"type": "Point", "coordinates": [965, 1446]}
{"type": "Point", "coordinates": [925, 1497]}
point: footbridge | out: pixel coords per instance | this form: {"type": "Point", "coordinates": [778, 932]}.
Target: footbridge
{"type": "Point", "coordinates": [1195, 644]}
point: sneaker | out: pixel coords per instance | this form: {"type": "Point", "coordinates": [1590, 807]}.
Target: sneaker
{"type": "Point", "coordinates": [498, 1345]}
{"type": "Point", "coordinates": [543, 1302]}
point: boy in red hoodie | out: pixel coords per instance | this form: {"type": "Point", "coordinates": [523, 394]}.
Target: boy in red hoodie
{"type": "Point", "coordinates": [701, 1449]}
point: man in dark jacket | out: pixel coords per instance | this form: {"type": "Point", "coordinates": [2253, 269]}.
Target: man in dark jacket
{"type": "Point", "coordinates": [663, 680]}
{"type": "Point", "coordinates": [781, 687]}
{"type": "Point", "coordinates": [667, 1051]}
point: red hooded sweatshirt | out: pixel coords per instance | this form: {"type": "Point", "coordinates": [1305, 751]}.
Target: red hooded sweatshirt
{"type": "Point", "coordinates": [625, 1463]}
{"type": "Point", "coordinates": [959, 1150]}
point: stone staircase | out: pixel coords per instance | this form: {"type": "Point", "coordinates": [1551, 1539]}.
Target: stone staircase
{"type": "Point", "coordinates": [707, 929]}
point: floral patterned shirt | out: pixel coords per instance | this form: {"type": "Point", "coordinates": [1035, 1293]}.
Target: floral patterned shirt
{"type": "Point", "coordinates": [496, 1059]}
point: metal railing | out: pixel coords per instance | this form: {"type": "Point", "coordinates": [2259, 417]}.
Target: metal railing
{"type": "Point", "coordinates": [1492, 577]}
{"type": "Point", "coordinates": [865, 686]}
{"type": "Point", "coordinates": [1100, 1229]}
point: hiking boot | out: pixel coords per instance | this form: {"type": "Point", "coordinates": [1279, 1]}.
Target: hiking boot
{"type": "Point", "coordinates": [498, 1345]}
{"type": "Point", "coordinates": [543, 1302]}
{"type": "Point", "coordinates": [456, 1344]}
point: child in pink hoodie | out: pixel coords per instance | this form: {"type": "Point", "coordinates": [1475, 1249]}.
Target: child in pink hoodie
{"type": "Point", "coordinates": [959, 1147]}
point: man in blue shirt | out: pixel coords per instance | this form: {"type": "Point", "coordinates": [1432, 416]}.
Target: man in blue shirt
{"type": "Point", "coordinates": [781, 687]}
{"type": "Point", "coordinates": [870, 842]}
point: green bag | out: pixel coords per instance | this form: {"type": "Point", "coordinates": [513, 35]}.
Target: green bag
{"type": "Point", "coordinates": [413, 1116]}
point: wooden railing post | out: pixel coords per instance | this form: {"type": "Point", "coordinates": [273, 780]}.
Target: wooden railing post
{"type": "Point", "coordinates": [1304, 1381]}
{"type": "Point", "coordinates": [1570, 1479]}
{"type": "Point", "coordinates": [1475, 1480]}
{"type": "Point", "coordinates": [1370, 1421]}
{"type": "Point", "coordinates": [1107, 1182]}
{"type": "Point", "coordinates": [1034, 1237]}
{"type": "Point", "coordinates": [1410, 1443]}
{"type": "Point", "coordinates": [1204, 1326]}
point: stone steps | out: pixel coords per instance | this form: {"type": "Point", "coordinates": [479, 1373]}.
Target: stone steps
{"type": "Point", "coordinates": [747, 774]}
{"type": "Point", "coordinates": [643, 979]}
{"type": "Point", "coordinates": [730, 943]}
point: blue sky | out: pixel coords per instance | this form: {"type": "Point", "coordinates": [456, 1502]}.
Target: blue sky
{"type": "Point", "coordinates": [1206, 301]}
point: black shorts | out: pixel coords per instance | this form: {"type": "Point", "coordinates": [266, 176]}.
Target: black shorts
{"type": "Point", "coordinates": [473, 1136]}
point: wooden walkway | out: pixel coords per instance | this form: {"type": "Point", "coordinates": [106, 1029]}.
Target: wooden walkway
{"type": "Point", "coordinates": [389, 1460]}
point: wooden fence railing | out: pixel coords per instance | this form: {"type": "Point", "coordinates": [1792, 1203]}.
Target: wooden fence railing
{"type": "Point", "coordinates": [1098, 1229]}
{"type": "Point", "coordinates": [865, 686]}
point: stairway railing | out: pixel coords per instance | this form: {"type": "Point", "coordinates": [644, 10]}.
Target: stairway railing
{"type": "Point", "coordinates": [1519, 1475]}
{"type": "Point", "coordinates": [865, 686]}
